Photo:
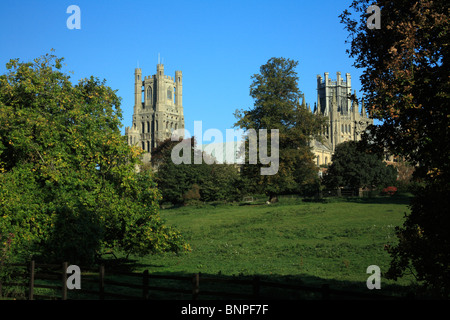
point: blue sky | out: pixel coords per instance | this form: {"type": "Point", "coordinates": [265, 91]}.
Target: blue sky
{"type": "Point", "coordinates": [218, 45]}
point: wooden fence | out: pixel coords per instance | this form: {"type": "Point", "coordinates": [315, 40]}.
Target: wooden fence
{"type": "Point", "coordinates": [54, 279]}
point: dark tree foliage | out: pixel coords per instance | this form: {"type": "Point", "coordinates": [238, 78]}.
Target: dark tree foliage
{"type": "Point", "coordinates": [406, 82]}
{"type": "Point", "coordinates": [185, 182]}
{"type": "Point", "coordinates": [355, 166]}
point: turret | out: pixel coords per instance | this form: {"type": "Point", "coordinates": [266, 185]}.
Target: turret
{"type": "Point", "coordinates": [363, 110]}
{"type": "Point", "coordinates": [137, 89]}
{"type": "Point", "coordinates": [335, 120]}
{"type": "Point", "coordinates": [179, 89]}
{"type": "Point", "coordinates": [161, 94]}
{"type": "Point", "coordinates": [303, 100]}
{"type": "Point", "coordinates": [348, 91]}
{"type": "Point", "coordinates": [348, 79]}
{"type": "Point", "coordinates": [160, 70]}
{"type": "Point", "coordinates": [354, 105]}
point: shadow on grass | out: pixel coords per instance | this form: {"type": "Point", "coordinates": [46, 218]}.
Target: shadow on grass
{"type": "Point", "coordinates": [128, 280]}
{"type": "Point", "coordinates": [122, 264]}
{"type": "Point", "coordinates": [181, 286]}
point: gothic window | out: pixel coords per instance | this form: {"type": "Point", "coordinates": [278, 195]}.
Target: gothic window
{"type": "Point", "coordinates": [148, 146]}
{"type": "Point", "coordinates": [169, 94]}
{"type": "Point", "coordinates": [143, 145]}
{"type": "Point", "coordinates": [149, 94]}
{"type": "Point", "coordinates": [148, 126]}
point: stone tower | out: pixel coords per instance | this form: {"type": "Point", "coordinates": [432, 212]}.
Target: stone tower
{"type": "Point", "coordinates": [158, 109]}
{"type": "Point", "coordinates": [344, 121]}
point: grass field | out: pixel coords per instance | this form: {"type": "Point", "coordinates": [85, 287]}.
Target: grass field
{"type": "Point", "coordinates": [293, 241]}
{"type": "Point", "coordinates": [309, 242]}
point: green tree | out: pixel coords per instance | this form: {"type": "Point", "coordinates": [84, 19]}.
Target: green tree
{"type": "Point", "coordinates": [355, 166]}
{"type": "Point", "coordinates": [277, 106]}
{"type": "Point", "coordinates": [68, 186]}
{"type": "Point", "coordinates": [405, 78]}
{"type": "Point", "coordinates": [181, 182]}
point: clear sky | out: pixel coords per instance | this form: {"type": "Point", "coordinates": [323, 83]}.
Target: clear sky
{"type": "Point", "coordinates": [217, 44]}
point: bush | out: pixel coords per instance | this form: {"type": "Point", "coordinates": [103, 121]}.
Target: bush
{"type": "Point", "coordinates": [192, 195]}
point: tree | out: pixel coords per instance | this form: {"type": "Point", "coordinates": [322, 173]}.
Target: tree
{"type": "Point", "coordinates": [173, 180]}
{"type": "Point", "coordinates": [406, 85]}
{"type": "Point", "coordinates": [191, 181]}
{"type": "Point", "coordinates": [68, 186]}
{"type": "Point", "coordinates": [276, 94]}
{"type": "Point", "coordinates": [354, 166]}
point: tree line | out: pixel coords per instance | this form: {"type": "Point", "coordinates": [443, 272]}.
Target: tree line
{"type": "Point", "coordinates": [277, 106]}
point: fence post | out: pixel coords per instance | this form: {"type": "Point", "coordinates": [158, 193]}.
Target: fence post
{"type": "Point", "coordinates": [31, 283]}
{"type": "Point", "coordinates": [195, 286]}
{"type": "Point", "coordinates": [101, 288]}
{"type": "Point", "coordinates": [256, 286]}
{"type": "Point", "coordinates": [326, 292]}
{"type": "Point", "coordinates": [64, 281]}
{"type": "Point", "coordinates": [145, 285]}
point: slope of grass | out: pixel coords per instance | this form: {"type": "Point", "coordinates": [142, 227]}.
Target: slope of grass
{"type": "Point", "coordinates": [335, 240]}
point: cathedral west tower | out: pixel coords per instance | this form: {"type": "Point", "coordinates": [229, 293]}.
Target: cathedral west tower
{"type": "Point", "coordinates": [158, 109]}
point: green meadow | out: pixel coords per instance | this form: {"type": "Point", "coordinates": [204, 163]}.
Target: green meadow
{"type": "Point", "coordinates": [332, 241]}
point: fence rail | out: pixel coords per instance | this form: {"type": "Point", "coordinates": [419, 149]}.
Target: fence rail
{"type": "Point", "coordinates": [190, 285]}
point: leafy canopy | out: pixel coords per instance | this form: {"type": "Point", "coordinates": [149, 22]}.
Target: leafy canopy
{"type": "Point", "coordinates": [406, 83]}
{"type": "Point", "coordinates": [181, 183]}
{"type": "Point", "coordinates": [355, 166]}
{"type": "Point", "coordinates": [68, 186]}
{"type": "Point", "coordinates": [276, 106]}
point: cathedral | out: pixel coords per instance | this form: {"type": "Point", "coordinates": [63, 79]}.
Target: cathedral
{"type": "Point", "coordinates": [344, 120]}
{"type": "Point", "coordinates": [158, 109]}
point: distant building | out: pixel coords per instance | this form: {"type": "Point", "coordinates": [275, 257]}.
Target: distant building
{"type": "Point", "coordinates": [344, 120]}
{"type": "Point", "coordinates": [158, 109]}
